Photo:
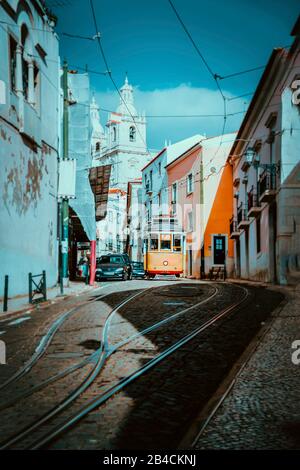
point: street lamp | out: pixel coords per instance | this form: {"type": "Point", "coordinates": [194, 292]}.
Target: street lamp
{"type": "Point", "coordinates": [253, 158]}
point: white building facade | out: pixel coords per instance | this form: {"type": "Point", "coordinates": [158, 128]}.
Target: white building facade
{"type": "Point", "coordinates": [123, 146]}
{"type": "Point", "coordinates": [28, 144]}
{"type": "Point", "coordinates": [266, 167]}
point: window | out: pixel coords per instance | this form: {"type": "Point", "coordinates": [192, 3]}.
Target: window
{"type": "Point", "coordinates": [36, 85]}
{"type": "Point", "coordinates": [151, 179]}
{"type": "Point", "coordinates": [114, 134]}
{"type": "Point", "coordinates": [110, 242]}
{"type": "Point", "coordinates": [25, 78]}
{"type": "Point", "coordinates": [132, 134]}
{"type": "Point", "coordinates": [111, 259]}
{"type": "Point", "coordinates": [190, 221]}
{"type": "Point", "coordinates": [190, 183]}
{"type": "Point", "coordinates": [165, 242]}
{"type": "Point", "coordinates": [97, 146]}
{"type": "Point", "coordinates": [174, 193]}
{"type": "Point", "coordinates": [12, 59]}
{"type": "Point", "coordinates": [154, 242]}
{"type": "Point", "coordinates": [177, 242]}
{"type": "Point", "coordinates": [258, 238]}
{"type": "Point", "coordinates": [159, 168]}
{"type": "Point", "coordinates": [159, 199]}
{"type": "Point", "coordinates": [118, 243]}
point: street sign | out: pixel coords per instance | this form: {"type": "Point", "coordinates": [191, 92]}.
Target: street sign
{"type": "Point", "coordinates": [67, 179]}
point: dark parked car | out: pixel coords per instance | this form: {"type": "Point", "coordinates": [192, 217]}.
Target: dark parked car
{"type": "Point", "coordinates": [113, 267]}
{"type": "Point", "coordinates": [138, 269]}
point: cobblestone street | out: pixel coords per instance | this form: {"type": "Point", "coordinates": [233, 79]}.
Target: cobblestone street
{"type": "Point", "coordinates": [157, 408]}
{"type": "Point", "coordinates": [262, 409]}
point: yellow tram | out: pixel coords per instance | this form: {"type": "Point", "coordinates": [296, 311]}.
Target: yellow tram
{"type": "Point", "coordinates": [164, 253]}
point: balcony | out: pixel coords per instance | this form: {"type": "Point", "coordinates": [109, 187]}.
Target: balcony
{"type": "Point", "coordinates": [254, 205]}
{"type": "Point", "coordinates": [242, 217]}
{"type": "Point", "coordinates": [234, 231]}
{"type": "Point", "coordinates": [267, 187]}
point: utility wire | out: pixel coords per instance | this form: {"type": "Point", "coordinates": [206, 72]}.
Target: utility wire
{"type": "Point", "coordinates": [220, 77]}
{"type": "Point", "coordinates": [98, 38]}
{"type": "Point", "coordinates": [213, 75]}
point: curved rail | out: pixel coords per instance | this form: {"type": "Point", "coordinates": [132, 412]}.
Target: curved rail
{"type": "Point", "coordinates": [102, 398]}
{"type": "Point", "coordinates": [45, 342]}
{"type": "Point", "coordinates": [106, 352]}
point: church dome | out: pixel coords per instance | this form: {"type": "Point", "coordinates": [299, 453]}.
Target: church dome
{"type": "Point", "coordinates": [126, 105]}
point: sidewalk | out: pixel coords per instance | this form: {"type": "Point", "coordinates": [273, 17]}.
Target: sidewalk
{"type": "Point", "coordinates": [19, 304]}
{"type": "Point", "coordinates": [261, 410]}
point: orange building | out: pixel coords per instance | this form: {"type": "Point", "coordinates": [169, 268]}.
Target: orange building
{"type": "Point", "coordinates": [200, 196]}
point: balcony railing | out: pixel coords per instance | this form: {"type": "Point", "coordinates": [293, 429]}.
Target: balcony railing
{"type": "Point", "coordinates": [254, 205]}
{"type": "Point", "coordinates": [267, 186]}
{"type": "Point", "coordinates": [242, 217]}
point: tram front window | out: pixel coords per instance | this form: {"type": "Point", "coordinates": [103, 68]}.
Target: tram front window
{"type": "Point", "coordinates": [154, 242]}
{"type": "Point", "coordinates": [177, 243]}
{"type": "Point", "coordinates": [165, 242]}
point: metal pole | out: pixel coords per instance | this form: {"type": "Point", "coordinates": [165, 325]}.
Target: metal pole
{"type": "Point", "coordinates": [44, 285]}
{"type": "Point", "coordinates": [5, 293]}
{"type": "Point", "coordinates": [60, 248]}
{"type": "Point", "coordinates": [93, 262]}
{"type": "Point", "coordinates": [65, 202]}
{"type": "Point", "coordinates": [30, 287]}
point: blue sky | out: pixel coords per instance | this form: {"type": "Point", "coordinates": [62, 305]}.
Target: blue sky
{"type": "Point", "coordinates": [145, 39]}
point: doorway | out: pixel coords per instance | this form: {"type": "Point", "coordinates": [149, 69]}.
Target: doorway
{"type": "Point", "coordinates": [219, 249]}
{"type": "Point", "coordinates": [190, 262]}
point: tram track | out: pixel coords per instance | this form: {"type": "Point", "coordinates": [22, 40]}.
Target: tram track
{"type": "Point", "coordinates": [45, 343]}
{"type": "Point", "coordinates": [108, 350]}
{"type": "Point", "coordinates": [104, 355]}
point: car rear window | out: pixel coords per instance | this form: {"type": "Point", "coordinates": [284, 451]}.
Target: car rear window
{"type": "Point", "coordinates": [111, 259]}
{"type": "Point", "coordinates": [116, 259]}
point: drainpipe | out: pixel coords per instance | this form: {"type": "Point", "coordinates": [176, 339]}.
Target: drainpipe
{"type": "Point", "coordinates": [93, 262]}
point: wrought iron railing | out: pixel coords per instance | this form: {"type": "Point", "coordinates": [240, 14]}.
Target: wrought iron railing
{"type": "Point", "coordinates": [267, 182]}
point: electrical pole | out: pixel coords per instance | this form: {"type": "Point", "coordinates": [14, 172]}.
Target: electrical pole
{"type": "Point", "coordinates": [65, 202]}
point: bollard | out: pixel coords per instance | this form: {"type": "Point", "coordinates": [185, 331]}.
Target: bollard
{"type": "Point", "coordinates": [44, 285]}
{"type": "Point", "coordinates": [30, 287]}
{"type": "Point", "coordinates": [5, 299]}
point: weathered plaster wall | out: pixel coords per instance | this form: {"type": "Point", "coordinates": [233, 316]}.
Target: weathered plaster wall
{"type": "Point", "coordinates": [28, 211]}
{"type": "Point", "coordinates": [28, 176]}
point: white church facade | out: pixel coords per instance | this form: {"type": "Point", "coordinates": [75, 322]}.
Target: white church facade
{"type": "Point", "coordinates": [123, 146]}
